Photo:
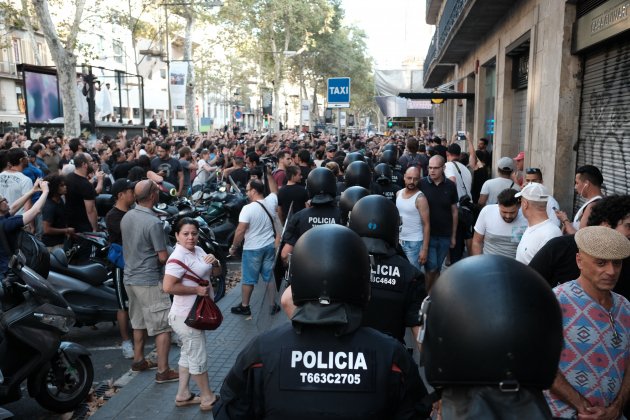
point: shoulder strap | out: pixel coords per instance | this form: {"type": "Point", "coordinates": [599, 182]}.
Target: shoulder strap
{"type": "Point", "coordinates": [460, 175]}
{"type": "Point", "coordinates": [192, 276]}
{"type": "Point", "coordinates": [273, 225]}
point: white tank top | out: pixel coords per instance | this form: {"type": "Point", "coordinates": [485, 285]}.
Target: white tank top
{"type": "Point", "coordinates": [411, 229]}
{"type": "Point", "coordinates": [578, 216]}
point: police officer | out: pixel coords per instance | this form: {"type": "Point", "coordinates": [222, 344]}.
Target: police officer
{"type": "Point", "coordinates": [390, 157]}
{"type": "Point", "coordinates": [397, 286]}
{"type": "Point", "coordinates": [348, 199]}
{"type": "Point", "coordinates": [325, 364]}
{"type": "Point", "coordinates": [383, 182]}
{"type": "Point", "coordinates": [321, 188]}
{"type": "Point", "coordinates": [492, 339]}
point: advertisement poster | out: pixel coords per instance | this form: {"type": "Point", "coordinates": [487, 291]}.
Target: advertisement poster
{"type": "Point", "coordinates": [177, 83]}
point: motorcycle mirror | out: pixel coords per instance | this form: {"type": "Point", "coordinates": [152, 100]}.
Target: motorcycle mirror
{"type": "Point", "coordinates": [161, 206]}
{"type": "Point", "coordinates": [222, 189]}
{"type": "Point", "coordinates": [173, 192]}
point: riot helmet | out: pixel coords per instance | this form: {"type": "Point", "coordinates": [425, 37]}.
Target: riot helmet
{"type": "Point", "coordinates": [352, 157]}
{"type": "Point", "coordinates": [375, 218]}
{"type": "Point", "coordinates": [390, 157]}
{"type": "Point", "coordinates": [391, 146]}
{"type": "Point", "coordinates": [321, 186]}
{"type": "Point", "coordinates": [383, 173]}
{"type": "Point", "coordinates": [358, 173]}
{"type": "Point", "coordinates": [491, 321]}
{"type": "Point", "coordinates": [350, 197]}
{"type": "Point", "coordinates": [320, 270]}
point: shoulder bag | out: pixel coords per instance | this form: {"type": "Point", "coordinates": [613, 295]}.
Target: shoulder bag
{"type": "Point", "coordinates": [204, 314]}
{"type": "Point", "coordinates": [466, 207]}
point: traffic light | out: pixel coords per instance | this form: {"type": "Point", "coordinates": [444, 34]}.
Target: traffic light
{"type": "Point", "coordinates": [390, 123]}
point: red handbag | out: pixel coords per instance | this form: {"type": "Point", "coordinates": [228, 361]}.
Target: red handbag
{"type": "Point", "coordinates": [204, 314]}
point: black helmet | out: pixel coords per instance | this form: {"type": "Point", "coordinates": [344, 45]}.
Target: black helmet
{"type": "Point", "coordinates": [320, 270]}
{"type": "Point", "coordinates": [492, 321]}
{"type": "Point", "coordinates": [390, 146]}
{"type": "Point", "coordinates": [358, 173]}
{"type": "Point", "coordinates": [376, 217]}
{"type": "Point", "coordinates": [383, 173]}
{"type": "Point", "coordinates": [352, 157]}
{"type": "Point", "coordinates": [321, 186]}
{"type": "Point", "coordinates": [390, 157]}
{"type": "Point", "coordinates": [349, 198]}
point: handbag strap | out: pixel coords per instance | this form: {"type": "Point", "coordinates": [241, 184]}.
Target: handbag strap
{"type": "Point", "coordinates": [460, 175]}
{"type": "Point", "coordinates": [273, 225]}
{"type": "Point", "coordinates": [194, 277]}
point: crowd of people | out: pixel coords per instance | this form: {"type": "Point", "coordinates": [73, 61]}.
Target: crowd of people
{"type": "Point", "coordinates": [442, 205]}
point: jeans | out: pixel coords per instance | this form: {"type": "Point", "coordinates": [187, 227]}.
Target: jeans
{"type": "Point", "coordinates": [412, 251]}
{"type": "Point", "coordinates": [438, 248]}
{"type": "Point", "coordinates": [257, 262]}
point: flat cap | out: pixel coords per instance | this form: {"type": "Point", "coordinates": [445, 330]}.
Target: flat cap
{"type": "Point", "coordinates": [603, 242]}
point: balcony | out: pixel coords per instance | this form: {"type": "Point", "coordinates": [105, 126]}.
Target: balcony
{"type": "Point", "coordinates": [463, 24]}
{"type": "Point", "coordinates": [433, 10]}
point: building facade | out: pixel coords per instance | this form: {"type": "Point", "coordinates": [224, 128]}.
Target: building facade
{"type": "Point", "coordinates": [551, 78]}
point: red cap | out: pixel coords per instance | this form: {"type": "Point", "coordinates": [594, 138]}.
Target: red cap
{"type": "Point", "coordinates": [520, 156]}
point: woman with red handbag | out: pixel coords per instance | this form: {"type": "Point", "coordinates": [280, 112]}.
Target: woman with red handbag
{"type": "Point", "coordinates": [186, 276]}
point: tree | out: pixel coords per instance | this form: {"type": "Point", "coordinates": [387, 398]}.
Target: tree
{"type": "Point", "coordinates": [62, 52]}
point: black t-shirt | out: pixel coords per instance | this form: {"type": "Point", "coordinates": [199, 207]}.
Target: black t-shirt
{"type": "Point", "coordinates": [112, 220]}
{"type": "Point", "coordinates": [479, 177]}
{"type": "Point", "coordinates": [79, 190]}
{"type": "Point", "coordinates": [240, 177]}
{"type": "Point", "coordinates": [305, 171]}
{"type": "Point", "coordinates": [107, 185]}
{"type": "Point", "coordinates": [55, 214]}
{"type": "Point", "coordinates": [121, 170]}
{"type": "Point", "coordinates": [295, 194]}
{"type": "Point", "coordinates": [440, 198]}
{"type": "Point", "coordinates": [171, 168]}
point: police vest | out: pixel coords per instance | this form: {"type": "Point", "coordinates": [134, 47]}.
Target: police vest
{"type": "Point", "coordinates": [396, 296]}
{"type": "Point", "coordinates": [308, 218]}
{"type": "Point", "coordinates": [397, 178]}
{"type": "Point", "coordinates": [315, 374]}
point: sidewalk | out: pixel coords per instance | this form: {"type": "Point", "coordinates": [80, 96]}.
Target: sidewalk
{"type": "Point", "coordinates": [142, 398]}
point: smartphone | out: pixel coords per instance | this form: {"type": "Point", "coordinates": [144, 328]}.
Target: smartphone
{"type": "Point", "coordinates": [461, 135]}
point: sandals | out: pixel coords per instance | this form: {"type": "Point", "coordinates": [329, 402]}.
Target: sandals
{"type": "Point", "coordinates": [209, 407]}
{"type": "Point", "coordinates": [192, 400]}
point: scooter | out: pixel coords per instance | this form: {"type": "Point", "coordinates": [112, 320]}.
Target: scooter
{"type": "Point", "coordinates": [85, 287]}
{"type": "Point", "coordinates": [33, 318]}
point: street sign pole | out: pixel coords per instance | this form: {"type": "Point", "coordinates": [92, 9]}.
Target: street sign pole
{"type": "Point", "coordinates": [338, 97]}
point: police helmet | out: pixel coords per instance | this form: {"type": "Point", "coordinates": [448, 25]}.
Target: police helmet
{"type": "Point", "coordinates": [492, 321]}
{"type": "Point", "coordinates": [323, 273]}
{"type": "Point", "coordinates": [383, 173]}
{"type": "Point", "coordinates": [350, 197]}
{"type": "Point", "coordinates": [376, 217]}
{"type": "Point", "coordinates": [321, 186]}
{"type": "Point", "coordinates": [390, 157]}
{"type": "Point", "coordinates": [358, 173]}
{"type": "Point", "coordinates": [390, 146]}
{"type": "Point", "coordinates": [352, 157]}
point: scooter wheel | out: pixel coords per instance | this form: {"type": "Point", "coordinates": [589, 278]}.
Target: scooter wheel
{"type": "Point", "coordinates": [67, 384]}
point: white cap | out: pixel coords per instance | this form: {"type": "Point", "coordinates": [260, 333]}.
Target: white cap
{"type": "Point", "coordinates": [534, 192]}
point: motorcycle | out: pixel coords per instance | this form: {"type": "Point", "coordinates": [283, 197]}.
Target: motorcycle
{"type": "Point", "coordinates": [33, 318]}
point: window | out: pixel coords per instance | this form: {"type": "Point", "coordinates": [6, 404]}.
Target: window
{"type": "Point", "coordinates": [118, 51]}
{"type": "Point", "coordinates": [163, 73]}
{"type": "Point", "coordinates": [42, 53]}
{"type": "Point", "coordinates": [17, 50]}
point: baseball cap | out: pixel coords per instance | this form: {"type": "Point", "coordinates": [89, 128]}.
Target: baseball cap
{"type": "Point", "coordinates": [31, 153]}
{"type": "Point", "coordinates": [331, 148]}
{"type": "Point", "coordinates": [454, 149]}
{"type": "Point", "coordinates": [603, 242]}
{"type": "Point", "coordinates": [534, 192]}
{"type": "Point", "coordinates": [121, 185]}
{"type": "Point", "coordinates": [505, 164]}
{"type": "Point", "coordinates": [520, 156]}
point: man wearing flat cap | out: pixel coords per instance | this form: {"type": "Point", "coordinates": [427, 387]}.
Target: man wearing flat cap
{"type": "Point", "coordinates": [593, 379]}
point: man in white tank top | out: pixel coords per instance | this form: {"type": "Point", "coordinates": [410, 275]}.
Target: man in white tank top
{"type": "Point", "coordinates": [414, 214]}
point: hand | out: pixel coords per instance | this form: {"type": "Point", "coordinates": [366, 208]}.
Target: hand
{"type": "Point", "coordinates": [453, 241]}
{"type": "Point", "coordinates": [69, 231]}
{"type": "Point", "coordinates": [232, 250]}
{"type": "Point", "coordinates": [43, 185]}
{"type": "Point", "coordinates": [202, 290]}
{"type": "Point", "coordinates": [601, 413]}
{"type": "Point", "coordinates": [36, 185]}
{"type": "Point", "coordinates": [422, 258]}
{"type": "Point", "coordinates": [562, 216]}
{"type": "Point", "coordinates": [210, 259]}
{"type": "Point", "coordinates": [100, 175]}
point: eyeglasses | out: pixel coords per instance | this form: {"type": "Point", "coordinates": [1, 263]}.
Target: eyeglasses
{"type": "Point", "coordinates": [612, 325]}
{"type": "Point", "coordinates": [532, 170]}
{"type": "Point", "coordinates": [4, 200]}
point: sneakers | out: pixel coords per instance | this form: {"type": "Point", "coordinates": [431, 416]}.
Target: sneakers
{"type": "Point", "coordinates": [169, 375]}
{"type": "Point", "coordinates": [241, 310]}
{"type": "Point", "coordinates": [143, 365]}
{"type": "Point", "coordinates": [127, 349]}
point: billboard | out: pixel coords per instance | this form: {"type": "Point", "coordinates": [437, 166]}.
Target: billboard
{"type": "Point", "coordinates": [42, 97]}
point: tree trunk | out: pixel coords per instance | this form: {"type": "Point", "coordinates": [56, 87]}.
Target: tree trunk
{"type": "Point", "coordinates": [66, 62]}
{"type": "Point", "coordinates": [190, 85]}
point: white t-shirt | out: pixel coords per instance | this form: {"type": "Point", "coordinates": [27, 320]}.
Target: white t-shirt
{"type": "Point", "coordinates": [260, 231]}
{"type": "Point", "coordinates": [14, 185]}
{"type": "Point", "coordinates": [464, 180]}
{"type": "Point", "coordinates": [534, 238]}
{"type": "Point", "coordinates": [493, 187]}
{"type": "Point", "coordinates": [194, 260]}
{"type": "Point", "coordinates": [500, 237]}
{"type": "Point", "coordinates": [202, 174]}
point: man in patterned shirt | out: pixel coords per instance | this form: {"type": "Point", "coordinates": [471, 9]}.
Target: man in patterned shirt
{"type": "Point", "coordinates": [593, 378]}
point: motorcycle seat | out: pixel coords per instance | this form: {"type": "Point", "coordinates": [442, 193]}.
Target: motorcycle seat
{"type": "Point", "coordinates": [94, 274]}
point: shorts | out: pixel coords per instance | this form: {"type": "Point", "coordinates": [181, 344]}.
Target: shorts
{"type": "Point", "coordinates": [438, 249]}
{"type": "Point", "coordinates": [119, 288]}
{"type": "Point", "coordinates": [193, 354]}
{"type": "Point", "coordinates": [257, 262]}
{"type": "Point", "coordinates": [412, 251]}
{"type": "Point", "coordinates": [148, 308]}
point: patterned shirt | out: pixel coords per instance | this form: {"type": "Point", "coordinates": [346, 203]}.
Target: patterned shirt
{"type": "Point", "coordinates": [596, 347]}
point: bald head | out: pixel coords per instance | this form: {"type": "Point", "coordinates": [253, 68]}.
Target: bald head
{"type": "Point", "coordinates": [143, 190]}
{"type": "Point", "coordinates": [412, 177]}
{"type": "Point", "coordinates": [436, 168]}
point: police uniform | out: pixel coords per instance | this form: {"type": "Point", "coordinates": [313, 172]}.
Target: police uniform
{"type": "Point", "coordinates": [387, 190]}
{"type": "Point", "coordinates": [306, 219]}
{"type": "Point", "coordinates": [317, 374]}
{"type": "Point", "coordinates": [398, 178]}
{"type": "Point", "coordinates": [397, 293]}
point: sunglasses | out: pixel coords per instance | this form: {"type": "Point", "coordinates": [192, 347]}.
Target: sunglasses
{"type": "Point", "coordinates": [532, 170]}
